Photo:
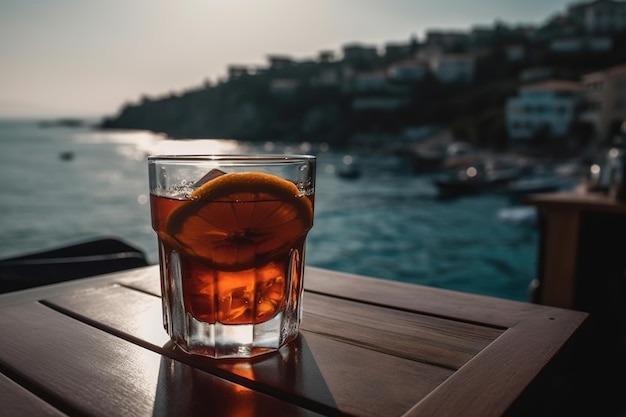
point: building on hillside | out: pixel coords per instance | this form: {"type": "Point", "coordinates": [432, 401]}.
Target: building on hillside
{"type": "Point", "coordinates": [486, 37]}
{"type": "Point", "coordinates": [284, 86]}
{"type": "Point", "coordinates": [599, 16]}
{"type": "Point", "coordinates": [237, 71]}
{"type": "Point", "coordinates": [326, 56]}
{"type": "Point", "coordinates": [536, 74]}
{"type": "Point", "coordinates": [280, 61]}
{"type": "Point", "coordinates": [544, 110]}
{"type": "Point", "coordinates": [378, 103]}
{"type": "Point", "coordinates": [558, 26]}
{"type": "Point", "coordinates": [327, 77]}
{"type": "Point", "coordinates": [368, 82]}
{"type": "Point", "coordinates": [581, 44]}
{"type": "Point", "coordinates": [605, 94]}
{"type": "Point", "coordinates": [408, 71]}
{"type": "Point", "coordinates": [482, 36]}
{"type": "Point", "coordinates": [453, 68]}
{"type": "Point", "coordinates": [355, 52]}
{"type": "Point", "coordinates": [447, 40]}
{"type": "Point", "coordinates": [398, 51]}
{"type": "Point", "coordinates": [515, 52]}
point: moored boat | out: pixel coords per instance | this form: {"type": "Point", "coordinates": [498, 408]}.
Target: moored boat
{"type": "Point", "coordinates": [477, 178]}
{"type": "Point", "coordinates": [349, 168]}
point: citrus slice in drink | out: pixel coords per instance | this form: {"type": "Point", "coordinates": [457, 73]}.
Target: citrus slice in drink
{"type": "Point", "coordinates": [239, 221]}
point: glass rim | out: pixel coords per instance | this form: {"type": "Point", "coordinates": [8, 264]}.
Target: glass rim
{"type": "Point", "coordinates": [233, 157]}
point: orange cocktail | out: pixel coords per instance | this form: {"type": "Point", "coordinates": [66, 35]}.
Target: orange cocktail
{"type": "Point", "coordinates": [231, 247]}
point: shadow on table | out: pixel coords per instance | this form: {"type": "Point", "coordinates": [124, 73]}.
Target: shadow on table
{"type": "Point", "coordinates": [269, 385]}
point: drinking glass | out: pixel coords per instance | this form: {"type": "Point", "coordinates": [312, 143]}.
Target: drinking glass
{"type": "Point", "coordinates": [231, 233]}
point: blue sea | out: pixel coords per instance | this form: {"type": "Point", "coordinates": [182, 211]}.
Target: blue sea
{"type": "Point", "coordinates": [389, 223]}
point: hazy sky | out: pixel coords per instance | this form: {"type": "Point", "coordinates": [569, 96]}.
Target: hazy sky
{"type": "Point", "coordinates": [88, 57]}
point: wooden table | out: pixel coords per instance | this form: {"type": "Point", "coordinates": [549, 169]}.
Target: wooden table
{"type": "Point", "coordinates": [582, 266]}
{"type": "Point", "coordinates": [368, 347]}
{"type": "Point", "coordinates": [583, 239]}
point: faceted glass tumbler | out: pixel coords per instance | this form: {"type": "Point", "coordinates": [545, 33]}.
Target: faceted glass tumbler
{"type": "Point", "coordinates": [231, 233]}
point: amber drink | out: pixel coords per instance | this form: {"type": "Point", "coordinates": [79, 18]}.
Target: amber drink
{"type": "Point", "coordinates": [231, 234]}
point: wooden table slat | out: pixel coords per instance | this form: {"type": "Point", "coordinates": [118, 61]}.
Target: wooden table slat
{"type": "Point", "coordinates": [487, 311]}
{"type": "Point", "coordinates": [442, 342]}
{"type": "Point", "coordinates": [15, 400]}
{"type": "Point", "coordinates": [516, 356]}
{"type": "Point", "coordinates": [337, 366]}
{"type": "Point", "coordinates": [102, 375]}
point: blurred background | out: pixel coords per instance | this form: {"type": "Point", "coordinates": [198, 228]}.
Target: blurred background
{"type": "Point", "coordinates": [432, 120]}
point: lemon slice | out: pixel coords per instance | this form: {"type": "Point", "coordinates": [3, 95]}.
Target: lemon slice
{"type": "Point", "coordinates": [239, 221]}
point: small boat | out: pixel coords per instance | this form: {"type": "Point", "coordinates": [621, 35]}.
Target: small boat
{"type": "Point", "coordinates": [436, 158]}
{"type": "Point", "coordinates": [63, 122]}
{"type": "Point", "coordinates": [349, 168]}
{"type": "Point", "coordinates": [80, 260]}
{"type": "Point", "coordinates": [517, 190]}
{"type": "Point", "coordinates": [66, 156]}
{"type": "Point", "coordinates": [425, 161]}
{"type": "Point", "coordinates": [475, 179]}
{"type": "Point", "coordinates": [521, 215]}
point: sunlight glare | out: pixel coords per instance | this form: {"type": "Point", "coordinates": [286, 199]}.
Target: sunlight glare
{"type": "Point", "coordinates": [139, 144]}
{"type": "Point", "coordinates": [195, 147]}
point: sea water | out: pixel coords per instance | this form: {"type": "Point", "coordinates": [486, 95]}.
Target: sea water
{"type": "Point", "coordinates": [388, 223]}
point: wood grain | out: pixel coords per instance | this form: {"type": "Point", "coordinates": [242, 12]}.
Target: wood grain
{"type": "Point", "coordinates": [15, 400]}
{"type": "Point", "coordinates": [578, 200]}
{"type": "Point", "coordinates": [320, 372]}
{"type": "Point", "coordinates": [96, 374]}
{"type": "Point", "coordinates": [561, 252]}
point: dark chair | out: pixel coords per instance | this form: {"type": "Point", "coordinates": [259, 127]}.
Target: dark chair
{"type": "Point", "coordinates": [75, 261]}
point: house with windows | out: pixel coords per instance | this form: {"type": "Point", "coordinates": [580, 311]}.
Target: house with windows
{"type": "Point", "coordinates": [447, 40]}
{"type": "Point", "coordinates": [453, 68]}
{"type": "Point", "coordinates": [544, 110]}
{"type": "Point", "coordinates": [355, 52]}
{"type": "Point", "coordinates": [605, 94]}
{"type": "Point", "coordinates": [407, 71]}
{"type": "Point", "coordinates": [369, 82]}
{"type": "Point", "coordinates": [284, 86]}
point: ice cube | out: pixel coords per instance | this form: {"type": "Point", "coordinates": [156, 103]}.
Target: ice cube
{"type": "Point", "coordinates": [211, 175]}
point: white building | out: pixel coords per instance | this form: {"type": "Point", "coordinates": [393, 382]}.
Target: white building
{"type": "Point", "coordinates": [545, 108]}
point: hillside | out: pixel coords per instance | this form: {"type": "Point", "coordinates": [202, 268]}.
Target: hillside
{"type": "Point", "coordinates": [287, 101]}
